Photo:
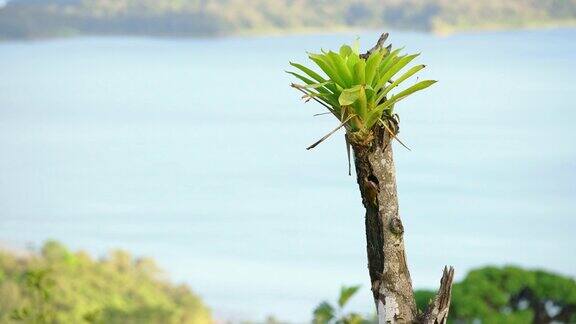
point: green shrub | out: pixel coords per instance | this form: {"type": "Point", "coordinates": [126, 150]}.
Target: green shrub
{"type": "Point", "coordinates": [59, 286]}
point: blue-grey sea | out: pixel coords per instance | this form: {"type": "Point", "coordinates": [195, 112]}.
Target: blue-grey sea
{"type": "Point", "coordinates": [192, 151]}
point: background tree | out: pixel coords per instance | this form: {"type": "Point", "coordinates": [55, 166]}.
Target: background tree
{"type": "Point", "coordinates": [511, 295]}
{"type": "Point", "coordinates": [360, 90]}
{"type": "Point", "coordinates": [60, 286]}
{"type": "Point", "coordinates": [508, 295]}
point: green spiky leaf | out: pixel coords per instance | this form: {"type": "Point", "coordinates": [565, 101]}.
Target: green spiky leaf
{"type": "Point", "coordinates": [349, 96]}
{"type": "Point", "coordinates": [417, 87]}
{"type": "Point", "coordinates": [346, 293]}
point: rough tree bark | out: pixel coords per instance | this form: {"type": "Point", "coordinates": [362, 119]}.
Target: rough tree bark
{"type": "Point", "coordinates": [389, 275]}
{"type": "Point", "coordinates": [391, 284]}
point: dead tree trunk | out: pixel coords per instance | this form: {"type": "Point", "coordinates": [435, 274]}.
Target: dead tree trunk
{"type": "Point", "coordinates": [389, 275]}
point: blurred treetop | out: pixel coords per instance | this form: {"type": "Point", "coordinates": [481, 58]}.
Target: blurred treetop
{"type": "Point", "coordinates": [59, 286]}
{"type": "Point", "coordinates": [510, 295]}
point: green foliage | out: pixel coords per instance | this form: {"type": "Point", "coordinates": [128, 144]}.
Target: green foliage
{"type": "Point", "coordinates": [325, 313]}
{"type": "Point", "coordinates": [357, 90]}
{"type": "Point", "coordinates": [423, 298]}
{"type": "Point", "coordinates": [59, 286]}
{"type": "Point", "coordinates": [39, 285]}
{"type": "Point", "coordinates": [346, 293]}
{"type": "Point", "coordinates": [508, 295]}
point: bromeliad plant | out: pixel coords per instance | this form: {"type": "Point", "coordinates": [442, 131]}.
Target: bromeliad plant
{"type": "Point", "coordinates": [360, 89]}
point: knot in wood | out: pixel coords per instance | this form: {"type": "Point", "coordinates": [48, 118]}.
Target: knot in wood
{"type": "Point", "coordinates": [396, 226]}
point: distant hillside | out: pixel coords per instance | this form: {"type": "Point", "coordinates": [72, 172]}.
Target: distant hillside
{"type": "Point", "coordinates": [53, 18]}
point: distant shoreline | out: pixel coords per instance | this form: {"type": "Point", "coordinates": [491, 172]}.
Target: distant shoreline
{"type": "Point", "coordinates": [299, 32]}
{"type": "Point", "coordinates": [31, 20]}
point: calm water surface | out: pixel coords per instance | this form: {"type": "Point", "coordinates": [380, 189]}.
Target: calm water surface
{"type": "Point", "coordinates": [192, 152]}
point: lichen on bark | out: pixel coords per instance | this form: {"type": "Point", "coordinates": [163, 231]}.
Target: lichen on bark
{"type": "Point", "coordinates": [389, 275]}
